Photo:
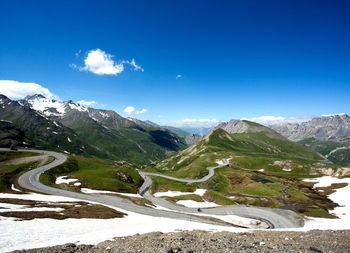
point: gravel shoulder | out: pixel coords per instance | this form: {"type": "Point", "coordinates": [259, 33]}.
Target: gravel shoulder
{"type": "Point", "coordinates": [199, 241]}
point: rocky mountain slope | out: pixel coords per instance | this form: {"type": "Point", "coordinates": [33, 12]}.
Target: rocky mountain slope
{"type": "Point", "coordinates": [10, 136]}
{"type": "Point", "coordinates": [321, 128]}
{"type": "Point", "coordinates": [193, 139]}
{"type": "Point", "coordinates": [68, 126]}
{"type": "Point", "coordinates": [328, 135]}
{"type": "Point", "coordinates": [244, 126]}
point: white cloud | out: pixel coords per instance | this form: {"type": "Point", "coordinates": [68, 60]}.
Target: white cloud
{"type": "Point", "coordinates": [178, 76]}
{"type": "Point", "coordinates": [16, 90]}
{"type": "Point", "coordinates": [87, 103]}
{"type": "Point", "coordinates": [335, 114]}
{"type": "Point", "coordinates": [191, 122]}
{"type": "Point", "coordinates": [129, 109]}
{"type": "Point", "coordinates": [132, 110]}
{"type": "Point", "coordinates": [273, 120]}
{"type": "Point", "coordinates": [134, 65]}
{"type": "Point", "coordinates": [100, 62]}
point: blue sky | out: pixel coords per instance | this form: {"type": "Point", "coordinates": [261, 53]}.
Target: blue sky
{"type": "Point", "coordinates": [237, 59]}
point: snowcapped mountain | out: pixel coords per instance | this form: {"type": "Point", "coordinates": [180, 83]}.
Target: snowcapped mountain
{"type": "Point", "coordinates": [57, 125]}
{"type": "Point", "coordinates": [40, 130]}
{"type": "Point", "coordinates": [51, 107]}
{"type": "Point", "coordinates": [321, 128]}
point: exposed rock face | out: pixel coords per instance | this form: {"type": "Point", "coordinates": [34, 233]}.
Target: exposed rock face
{"type": "Point", "coordinates": [244, 126]}
{"type": "Point", "coordinates": [192, 139]}
{"type": "Point", "coordinates": [10, 136]}
{"type": "Point", "coordinates": [321, 128]}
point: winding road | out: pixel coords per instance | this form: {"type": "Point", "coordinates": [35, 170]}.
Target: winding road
{"type": "Point", "coordinates": [276, 218]}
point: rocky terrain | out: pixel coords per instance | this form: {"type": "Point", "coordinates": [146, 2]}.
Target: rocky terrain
{"type": "Point", "coordinates": [199, 241]}
{"type": "Point", "coordinates": [321, 128]}
{"type": "Point", "coordinates": [193, 139]}
{"type": "Point", "coordinates": [244, 126]}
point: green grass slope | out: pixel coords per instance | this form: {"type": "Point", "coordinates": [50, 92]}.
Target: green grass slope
{"type": "Point", "coordinates": [193, 161]}
{"type": "Point", "coordinates": [337, 150]}
{"type": "Point", "coordinates": [264, 171]}
{"type": "Point", "coordinates": [96, 174]}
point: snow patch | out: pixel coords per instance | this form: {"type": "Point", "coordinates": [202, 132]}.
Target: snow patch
{"type": "Point", "coordinates": [340, 196]}
{"type": "Point", "coordinates": [38, 233]}
{"type": "Point", "coordinates": [223, 161]}
{"type": "Point", "coordinates": [13, 188]}
{"type": "Point", "coordinates": [23, 208]}
{"type": "Point", "coordinates": [196, 204]}
{"type": "Point", "coordinates": [91, 191]}
{"type": "Point", "coordinates": [199, 192]}
{"type": "Point", "coordinates": [104, 115]}
{"type": "Point", "coordinates": [37, 197]}
{"type": "Point", "coordinates": [77, 107]}
{"type": "Point", "coordinates": [56, 124]}
{"type": "Point", "coordinates": [65, 180]}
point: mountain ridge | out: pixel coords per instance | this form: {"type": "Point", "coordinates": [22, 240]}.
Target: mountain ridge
{"type": "Point", "coordinates": [105, 132]}
{"type": "Point", "coordinates": [321, 128]}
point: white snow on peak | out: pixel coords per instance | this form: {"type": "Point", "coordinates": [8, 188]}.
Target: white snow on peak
{"type": "Point", "coordinates": [56, 124]}
{"type": "Point", "coordinates": [44, 105]}
{"type": "Point", "coordinates": [52, 107]}
{"type": "Point", "coordinates": [105, 115]}
{"type": "Point", "coordinates": [78, 107]}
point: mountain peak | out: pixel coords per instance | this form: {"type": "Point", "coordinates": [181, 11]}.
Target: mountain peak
{"type": "Point", "coordinates": [3, 97]}
{"type": "Point", "coordinates": [35, 96]}
{"type": "Point", "coordinates": [235, 126]}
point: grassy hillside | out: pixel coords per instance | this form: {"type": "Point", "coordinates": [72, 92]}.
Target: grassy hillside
{"type": "Point", "coordinates": [336, 150]}
{"type": "Point", "coordinates": [193, 161]}
{"type": "Point", "coordinates": [133, 143]}
{"type": "Point", "coordinates": [263, 171]}
{"type": "Point", "coordinates": [96, 174]}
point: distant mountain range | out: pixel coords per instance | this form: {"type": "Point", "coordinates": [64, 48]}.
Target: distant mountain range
{"type": "Point", "coordinates": [69, 127]}
{"type": "Point", "coordinates": [328, 135]}
{"type": "Point", "coordinates": [321, 128]}
{"type": "Point", "coordinates": [72, 128]}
